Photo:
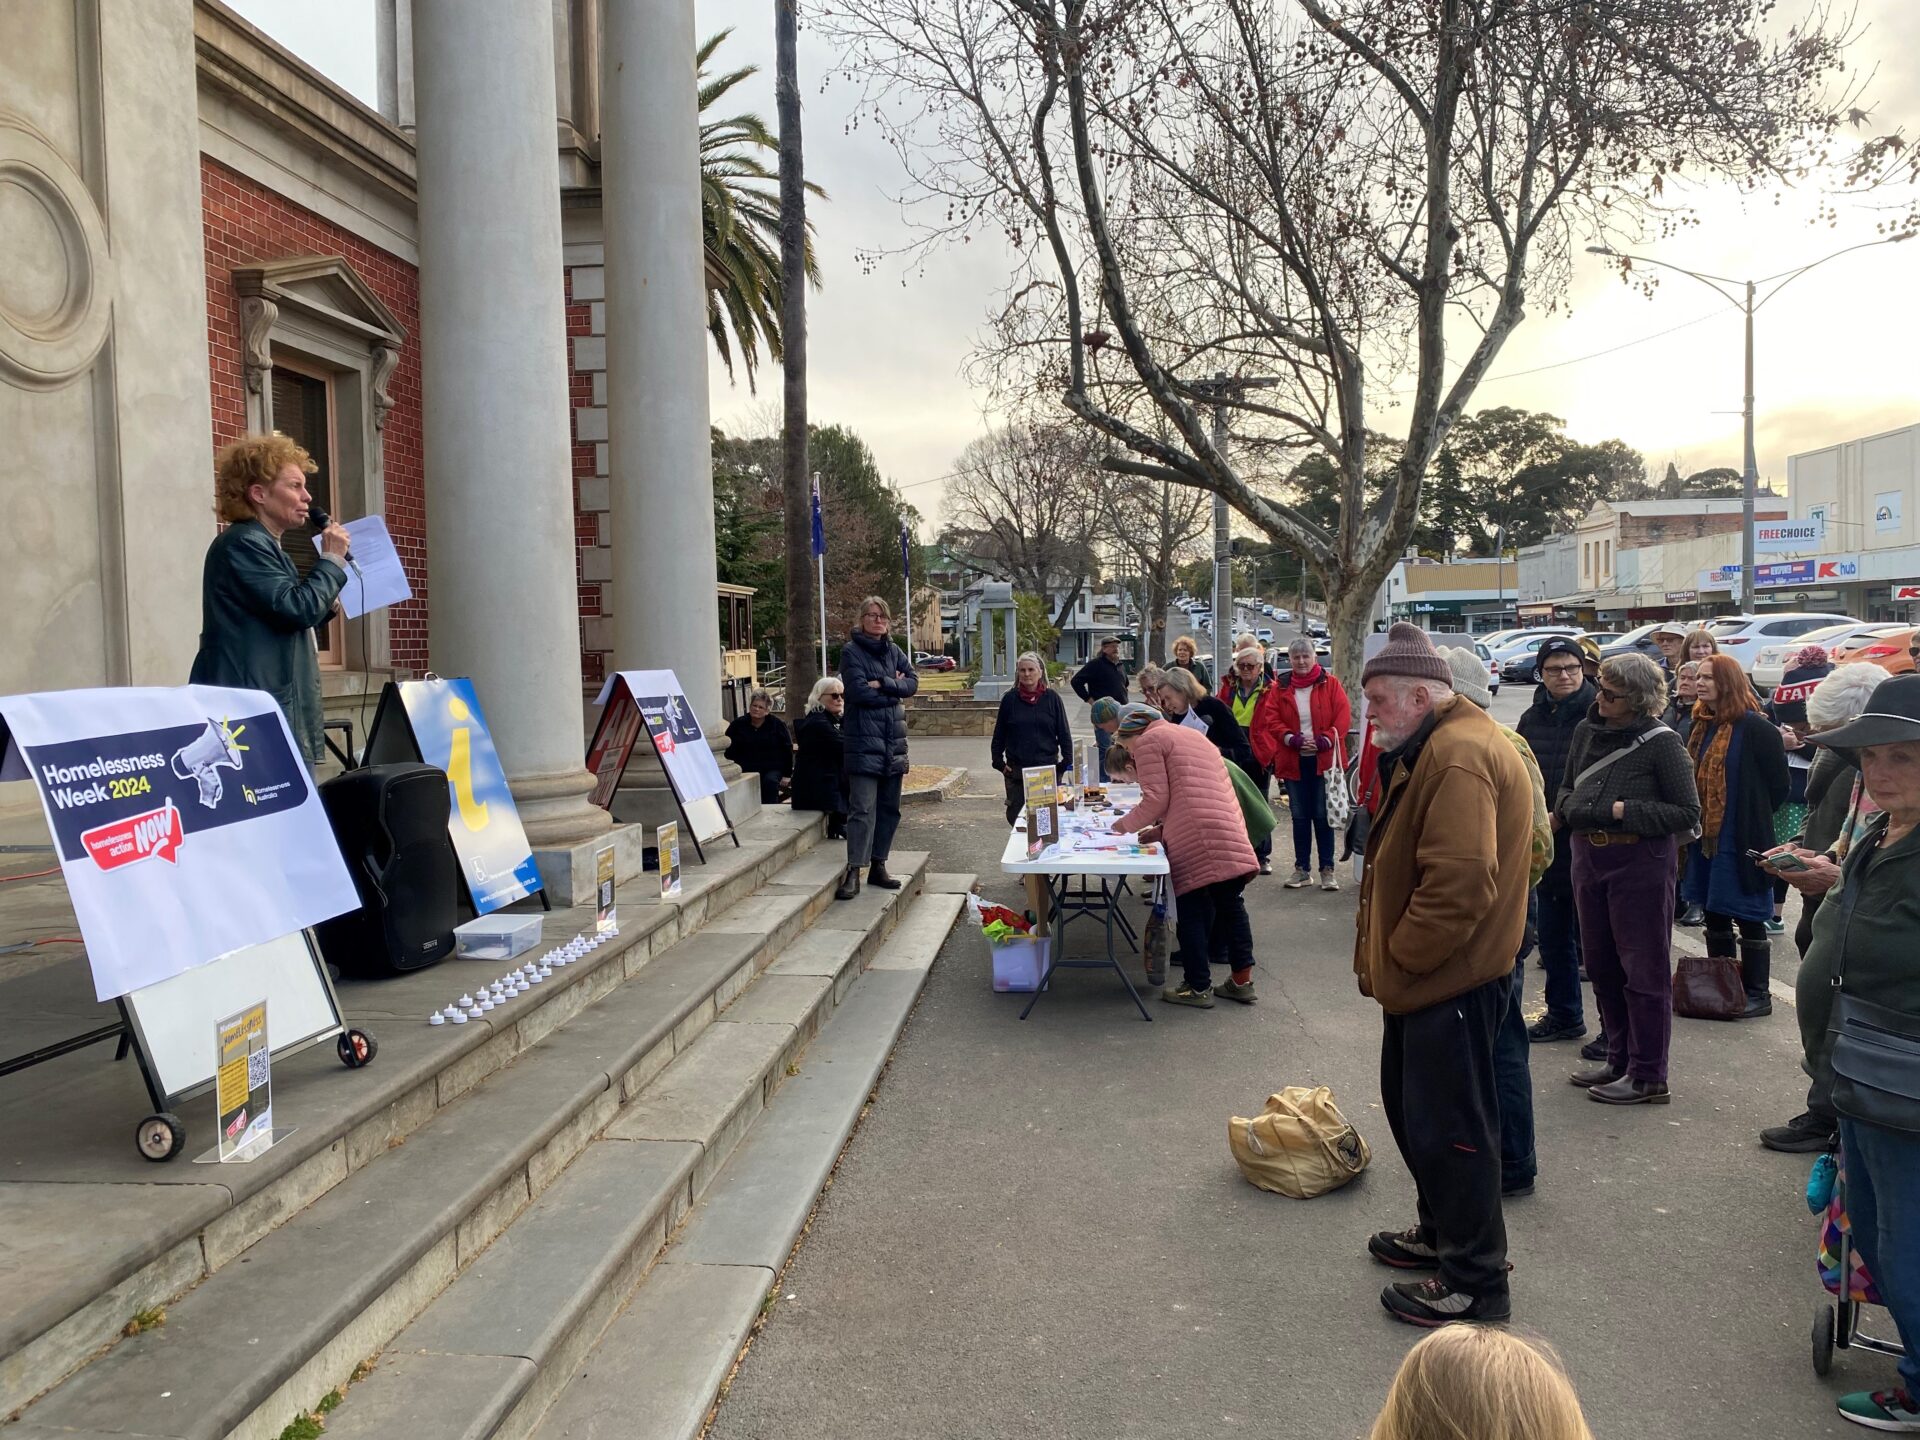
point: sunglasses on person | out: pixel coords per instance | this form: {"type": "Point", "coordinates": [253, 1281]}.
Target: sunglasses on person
{"type": "Point", "coordinates": [1248, 667]}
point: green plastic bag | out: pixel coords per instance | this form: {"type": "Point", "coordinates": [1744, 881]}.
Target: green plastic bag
{"type": "Point", "coordinates": [1253, 805]}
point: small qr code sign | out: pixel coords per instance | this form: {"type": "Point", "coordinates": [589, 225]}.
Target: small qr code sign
{"type": "Point", "coordinates": [257, 1069]}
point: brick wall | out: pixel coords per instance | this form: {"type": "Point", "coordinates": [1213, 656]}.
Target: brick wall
{"type": "Point", "coordinates": [246, 224]}
{"type": "Point", "coordinates": [1640, 531]}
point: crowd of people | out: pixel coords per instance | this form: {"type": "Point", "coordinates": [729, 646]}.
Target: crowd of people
{"type": "Point", "coordinates": [1631, 795]}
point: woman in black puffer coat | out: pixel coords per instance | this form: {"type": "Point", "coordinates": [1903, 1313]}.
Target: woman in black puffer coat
{"type": "Point", "coordinates": [877, 676]}
{"type": "Point", "coordinates": [819, 770]}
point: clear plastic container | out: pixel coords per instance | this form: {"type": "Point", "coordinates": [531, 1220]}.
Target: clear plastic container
{"type": "Point", "coordinates": [496, 937]}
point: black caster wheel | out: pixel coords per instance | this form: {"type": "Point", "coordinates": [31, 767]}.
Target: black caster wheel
{"type": "Point", "coordinates": [356, 1048]}
{"type": "Point", "coordinates": [160, 1137]}
{"type": "Point", "coordinates": [1822, 1340]}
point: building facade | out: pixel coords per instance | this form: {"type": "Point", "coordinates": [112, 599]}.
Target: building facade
{"type": "Point", "coordinates": [424, 294]}
{"type": "Point", "coordinates": [1866, 492]}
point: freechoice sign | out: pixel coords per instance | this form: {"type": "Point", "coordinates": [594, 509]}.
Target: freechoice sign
{"type": "Point", "coordinates": [1776, 536]}
{"type": "Point", "coordinates": [184, 819]}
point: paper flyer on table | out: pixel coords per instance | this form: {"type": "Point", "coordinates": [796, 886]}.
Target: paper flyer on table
{"type": "Point", "coordinates": [376, 578]}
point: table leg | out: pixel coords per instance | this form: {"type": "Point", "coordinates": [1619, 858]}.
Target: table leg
{"type": "Point", "coordinates": [1113, 906]}
{"type": "Point", "coordinates": [1039, 898]}
{"type": "Point", "coordinates": [1053, 957]}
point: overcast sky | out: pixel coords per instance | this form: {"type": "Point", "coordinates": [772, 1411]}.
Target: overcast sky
{"type": "Point", "coordinates": [1835, 352]}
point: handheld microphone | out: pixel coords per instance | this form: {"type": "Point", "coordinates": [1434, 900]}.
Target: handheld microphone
{"type": "Point", "coordinates": [319, 519]}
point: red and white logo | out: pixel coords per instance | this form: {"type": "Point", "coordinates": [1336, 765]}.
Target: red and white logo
{"type": "Point", "coordinates": [135, 838]}
{"type": "Point", "coordinates": [1906, 592]}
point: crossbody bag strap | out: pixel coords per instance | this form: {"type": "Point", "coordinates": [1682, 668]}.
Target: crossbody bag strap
{"type": "Point", "coordinates": [1849, 894]}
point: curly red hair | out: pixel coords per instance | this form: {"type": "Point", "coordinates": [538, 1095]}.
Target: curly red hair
{"type": "Point", "coordinates": [252, 460]}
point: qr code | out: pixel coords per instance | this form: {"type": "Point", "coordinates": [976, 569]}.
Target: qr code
{"type": "Point", "coordinates": [256, 1069]}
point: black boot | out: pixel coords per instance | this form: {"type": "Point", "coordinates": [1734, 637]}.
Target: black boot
{"type": "Point", "coordinates": [1693, 917]}
{"type": "Point", "coordinates": [849, 884]}
{"type": "Point", "coordinates": [877, 875]}
{"type": "Point", "coordinates": [1756, 968]}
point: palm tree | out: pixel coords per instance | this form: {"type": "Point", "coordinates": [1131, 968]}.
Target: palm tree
{"type": "Point", "coordinates": [740, 221]}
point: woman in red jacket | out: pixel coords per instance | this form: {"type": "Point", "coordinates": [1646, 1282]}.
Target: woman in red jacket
{"type": "Point", "coordinates": [1299, 735]}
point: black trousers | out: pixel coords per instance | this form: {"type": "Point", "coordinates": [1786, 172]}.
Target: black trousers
{"type": "Point", "coordinates": [1443, 1105]}
{"type": "Point", "coordinates": [1212, 922]}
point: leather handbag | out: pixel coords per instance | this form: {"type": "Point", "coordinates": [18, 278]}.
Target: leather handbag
{"type": "Point", "coordinates": [1876, 1050]}
{"type": "Point", "coordinates": [1708, 987]}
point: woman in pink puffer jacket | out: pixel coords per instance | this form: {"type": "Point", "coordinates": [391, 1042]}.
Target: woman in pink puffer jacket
{"type": "Point", "coordinates": [1185, 793]}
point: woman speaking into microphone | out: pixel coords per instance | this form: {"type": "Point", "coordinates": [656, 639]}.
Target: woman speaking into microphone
{"type": "Point", "coordinates": [257, 615]}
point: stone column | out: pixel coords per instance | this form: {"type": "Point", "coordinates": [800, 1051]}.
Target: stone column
{"type": "Point", "coordinates": [494, 374]}
{"type": "Point", "coordinates": [659, 448]}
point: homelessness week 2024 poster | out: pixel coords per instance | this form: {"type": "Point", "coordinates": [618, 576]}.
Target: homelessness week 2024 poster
{"type": "Point", "coordinates": [185, 822]}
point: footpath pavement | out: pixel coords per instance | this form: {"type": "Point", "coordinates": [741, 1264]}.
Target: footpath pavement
{"type": "Point", "coordinates": [1038, 1228]}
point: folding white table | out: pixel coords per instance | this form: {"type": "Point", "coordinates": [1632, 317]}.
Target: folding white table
{"type": "Point", "coordinates": [1055, 869]}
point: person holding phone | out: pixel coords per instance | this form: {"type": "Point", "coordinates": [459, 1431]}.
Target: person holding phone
{"type": "Point", "coordinates": [1740, 770]}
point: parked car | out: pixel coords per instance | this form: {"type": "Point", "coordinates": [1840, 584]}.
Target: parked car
{"type": "Point", "coordinates": [1493, 668]}
{"type": "Point", "coordinates": [1281, 615]}
{"type": "Point", "coordinates": [1264, 635]}
{"type": "Point", "coordinates": [1602, 638]}
{"type": "Point", "coordinates": [1771, 663]}
{"type": "Point", "coordinates": [1892, 652]}
{"type": "Point", "coordinates": [1635, 642]}
{"type": "Point", "coordinates": [926, 660]}
{"type": "Point", "coordinates": [1745, 636]}
{"type": "Point", "coordinates": [1517, 656]}
{"type": "Point", "coordinates": [1317, 629]}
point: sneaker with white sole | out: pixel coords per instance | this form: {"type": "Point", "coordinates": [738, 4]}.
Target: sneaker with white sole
{"type": "Point", "coordinates": [1299, 880]}
{"type": "Point", "coordinates": [1329, 880]}
{"type": "Point", "coordinates": [1403, 1250]}
{"type": "Point", "coordinates": [1891, 1410]}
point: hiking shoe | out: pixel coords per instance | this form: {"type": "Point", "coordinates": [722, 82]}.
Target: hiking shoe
{"type": "Point", "coordinates": [1329, 880]}
{"type": "Point", "coordinates": [1546, 1030]}
{"type": "Point", "coordinates": [1805, 1134]}
{"type": "Point", "coordinates": [1299, 880]}
{"type": "Point", "coordinates": [1433, 1303]}
{"type": "Point", "coordinates": [877, 875]}
{"type": "Point", "coordinates": [849, 884]}
{"type": "Point", "coordinates": [1881, 1410]}
{"type": "Point", "coordinates": [1185, 994]}
{"type": "Point", "coordinates": [1628, 1091]}
{"type": "Point", "coordinates": [1403, 1250]}
{"type": "Point", "coordinates": [1596, 1048]}
{"type": "Point", "coordinates": [1234, 990]}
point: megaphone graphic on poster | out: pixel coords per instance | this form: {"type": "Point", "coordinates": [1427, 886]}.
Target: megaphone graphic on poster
{"type": "Point", "coordinates": [210, 752]}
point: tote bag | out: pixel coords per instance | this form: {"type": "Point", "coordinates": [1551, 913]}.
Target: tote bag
{"type": "Point", "coordinates": [1299, 1145]}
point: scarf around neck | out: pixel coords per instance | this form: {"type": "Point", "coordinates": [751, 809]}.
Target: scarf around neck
{"type": "Point", "coordinates": [1308, 680]}
{"type": "Point", "coordinates": [1709, 741]}
{"type": "Point", "coordinates": [1031, 697]}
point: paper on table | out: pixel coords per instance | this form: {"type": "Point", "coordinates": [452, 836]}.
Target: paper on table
{"type": "Point", "coordinates": [381, 579]}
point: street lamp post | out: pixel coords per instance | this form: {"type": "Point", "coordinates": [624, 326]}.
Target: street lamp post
{"type": "Point", "coordinates": [1747, 300]}
{"type": "Point", "coordinates": [1500, 576]}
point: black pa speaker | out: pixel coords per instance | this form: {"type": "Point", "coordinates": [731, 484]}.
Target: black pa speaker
{"type": "Point", "coordinates": [391, 822]}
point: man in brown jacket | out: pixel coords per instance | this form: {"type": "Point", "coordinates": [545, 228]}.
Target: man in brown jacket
{"type": "Point", "coordinates": [1443, 906]}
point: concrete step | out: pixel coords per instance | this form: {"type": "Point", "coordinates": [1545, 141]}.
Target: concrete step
{"type": "Point", "coordinates": [97, 1234]}
{"type": "Point", "coordinates": [261, 1341]}
{"type": "Point", "coordinates": [539, 1297]}
{"type": "Point", "coordinates": [657, 1371]}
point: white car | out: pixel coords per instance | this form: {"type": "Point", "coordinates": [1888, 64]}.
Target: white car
{"type": "Point", "coordinates": [1745, 636]}
{"type": "Point", "coordinates": [1281, 616]}
{"type": "Point", "coordinates": [1493, 668]}
{"type": "Point", "coordinates": [1264, 635]}
{"type": "Point", "coordinates": [1771, 661]}
{"type": "Point", "coordinates": [1516, 656]}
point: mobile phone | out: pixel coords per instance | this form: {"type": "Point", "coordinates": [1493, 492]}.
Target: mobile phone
{"type": "Point", "coordinates": [1785, 860]}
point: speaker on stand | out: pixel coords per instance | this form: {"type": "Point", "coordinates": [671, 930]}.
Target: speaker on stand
{"type": "Point", "coordinates": [391, 822]}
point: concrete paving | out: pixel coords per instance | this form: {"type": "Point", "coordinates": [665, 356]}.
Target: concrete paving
{"type": "Point", "coordinates": [1038, 1228]}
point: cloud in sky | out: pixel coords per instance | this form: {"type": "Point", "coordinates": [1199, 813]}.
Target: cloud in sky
{"type": "Point", "coordinates": [1833, 354]}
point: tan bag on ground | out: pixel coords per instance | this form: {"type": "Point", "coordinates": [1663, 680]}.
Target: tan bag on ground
{"type": "Point", "coordinates": [1300, 1145]}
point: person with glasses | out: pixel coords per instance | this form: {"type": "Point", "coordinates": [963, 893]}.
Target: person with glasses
{"type": "Point", "coordinates": [1246, 690]}
{"type": "Point", "coordinates": [1561, 702]}
{"type": "Point", "coordinates": [1626, 798]}
{"type": "Point", "coordinates": [818, 783]}
{"type": "Point", "coordinates": [1740, 768]}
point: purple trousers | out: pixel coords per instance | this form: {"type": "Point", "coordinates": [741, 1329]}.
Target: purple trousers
{"type": "Point", "coordinates": [1624, 896]}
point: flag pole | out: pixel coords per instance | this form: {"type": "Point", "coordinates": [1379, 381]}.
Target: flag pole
{"type": "Point", "coordinates": [820, 558]}
{"type": "Point", "coordinates": [906, 587]}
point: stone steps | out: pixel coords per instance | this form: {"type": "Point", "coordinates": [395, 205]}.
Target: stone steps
{"type": "Point", "coordinates": [153, 1233]}
{"type": "Point", "coordinates": [265, 1337]}
{"type": "Point", "coordinates": [745, 1123]}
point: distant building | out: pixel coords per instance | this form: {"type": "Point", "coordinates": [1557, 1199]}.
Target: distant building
{"type": "Point", "coordinates": [1462, 595]}
{"type": "Point", "coordinates": [1865, 491]}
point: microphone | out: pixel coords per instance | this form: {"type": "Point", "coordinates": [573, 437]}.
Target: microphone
{"type": "Point", "coordinates": [320, 519]}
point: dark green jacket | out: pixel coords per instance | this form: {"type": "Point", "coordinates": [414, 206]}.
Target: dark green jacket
{"type": "Point", "coordinates": [1878, 943]}
{"type": "Point", "coordinates": [256, 622]}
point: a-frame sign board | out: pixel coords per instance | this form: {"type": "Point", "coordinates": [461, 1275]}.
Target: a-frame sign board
{"type": "Point", "coordinates": [439, 722]}
{"type": "Point", "coordinates": [651, 703]}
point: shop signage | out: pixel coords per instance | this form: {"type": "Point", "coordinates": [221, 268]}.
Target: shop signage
{"type": "Point", "coordinates": [1840, 567]}
{"type": "Point", "coordinates": [1783, 572]}
{"type": "Point", "coordinates": [1681, 597]}
{"type": "Point", "coordinates": [1720, 579]}
{"type": "Point", "coordinates": [1886, 512]}
{"type": "Point", "coordinates": [1906, 592]}
{"type": "Point", "coordinates": [1775, 536]}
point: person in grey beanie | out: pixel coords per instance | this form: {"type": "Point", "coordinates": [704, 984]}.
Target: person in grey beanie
{"type": "Point", "coordinates": [1443, 907]}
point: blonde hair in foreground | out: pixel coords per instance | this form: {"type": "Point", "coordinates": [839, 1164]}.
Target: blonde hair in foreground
{"type": "Point", "coordinates": [1472, 1382]}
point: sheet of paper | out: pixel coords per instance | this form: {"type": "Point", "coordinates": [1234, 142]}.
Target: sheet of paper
{"type": "Point", "coordinates": [381, 579]}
